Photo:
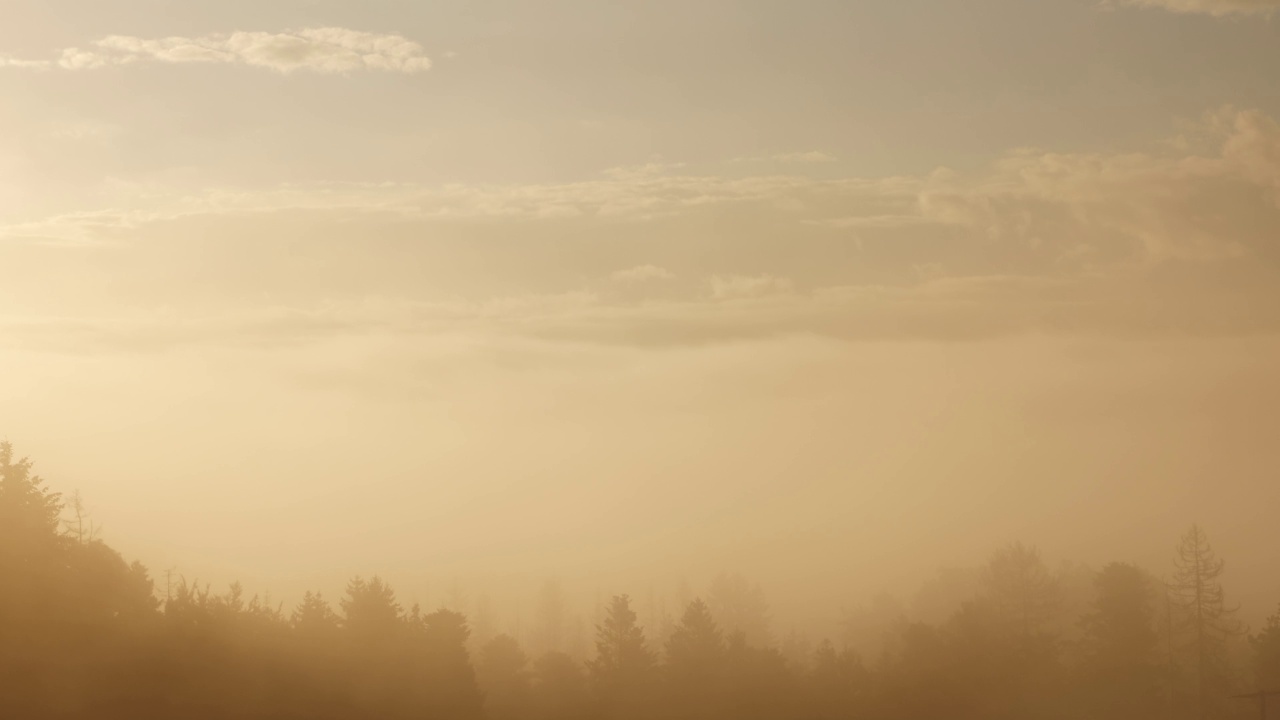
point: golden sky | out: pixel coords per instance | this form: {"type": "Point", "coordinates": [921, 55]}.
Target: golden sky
{"type": "Point", "coordinates": [619, 291]}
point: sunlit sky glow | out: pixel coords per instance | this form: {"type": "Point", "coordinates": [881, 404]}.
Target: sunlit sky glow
{"type": "Point", "coordinates": [630, 290]}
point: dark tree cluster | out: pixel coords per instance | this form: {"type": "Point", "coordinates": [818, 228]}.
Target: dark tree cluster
{"type": "Point", "coordinates": [83, 634]}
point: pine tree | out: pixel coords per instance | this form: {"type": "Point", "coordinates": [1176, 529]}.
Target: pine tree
{"type": "Point", "coordinates": [623, 664]}
{"type": "Point", "coordinates": [695, 669]}
{"type": "Point", "coordinates": [28, 512]}
{"type": "Point", "coordinates": [36, 576]}
{"type": "Point", "coordinates": [835, 678]}
{"type": "Point", "coordinates": [696, 648]}
{"type": "Point", "coordinates": [370, 607]}
{"type": "Point", "coordinates": [313, 616]}
{"type": "Point", "coordinates": [1122, 623]}
{"type": "Point", "coordinates": [503, 674]}
{"type": "Point", "coordinates": [559, 689]}
{"type": "Point", "coordinates": [740, 608]}
{"type": "Point", "coordinates": [1206, 619]}
{"type": "Point", "coordinates": [1022, 589]}
{"type": "Point", "coordinates": [1266, 649]}
{"type": "Point", "coordinates": [1122, 667]}
{"type": "Point", "coordinates": [454, 692]}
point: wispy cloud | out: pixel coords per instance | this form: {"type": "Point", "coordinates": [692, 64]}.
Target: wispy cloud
{"type": "Point", "coordinates": [12, 62]}
{"type": "Point", "coordinates": [83, 130]}
{"type": "Point", "coordinates": [1042, 208]}
{"type": "Point", "coordinates": [739, 287]}
{"type": "Point", "coordinates": [642, 274]}
{"type": "Point", "coordinates": [1218, 8]}
{"type": "Point", "coordinates": [636, 197]}
{"type": "Point", "coordinates": [796, 158]}
{"type": "Point", "coordinates": [1180, 240]}
{"type": "Point", "coordinates": [1129, 206]}
{"type": "Point", "coordinates": [742, 308]}
{"type": "Point", "coordinates": [323, 50]}
{"type": "Point", "coordinates": [91, 227]}
{"type": "Point", "coordinates": [873, 221]}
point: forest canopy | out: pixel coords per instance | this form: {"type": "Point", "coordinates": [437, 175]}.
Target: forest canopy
{"type": "Point", "coordinates": [86, 634]}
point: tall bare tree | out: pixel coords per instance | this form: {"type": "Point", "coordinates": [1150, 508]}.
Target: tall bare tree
{"type": "Point", "coordinates": [1205, 617]}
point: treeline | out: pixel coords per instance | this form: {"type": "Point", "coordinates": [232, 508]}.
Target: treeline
{"type": "Point", "coordinates": [84, 634]}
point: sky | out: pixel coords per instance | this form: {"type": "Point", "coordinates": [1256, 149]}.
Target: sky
{"type": "Point", "coordinates": [832, 293]}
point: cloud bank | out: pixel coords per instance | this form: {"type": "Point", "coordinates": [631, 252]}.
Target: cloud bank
{"type": "Point", "coordinates": [797, 158]}
{"type": "Point", "coordinates": [1217, 8]}
{"type": "Point", "coordinates": [643, 274]}
{"type": "Point", "coordinates": [1179, 239]}
{"type": "Point", "coordinates": [327, 50]}
{"type": "Point", "coordinates": [1217, 198]}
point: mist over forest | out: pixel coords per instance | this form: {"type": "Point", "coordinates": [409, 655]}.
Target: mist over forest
{"type": "Point", "coordinates": [631, 360]}
{"type": "Point", "coordinates": [87, 633]}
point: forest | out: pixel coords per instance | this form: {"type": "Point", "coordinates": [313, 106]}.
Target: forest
{"type": "Point", "coordinates": [86, 634]}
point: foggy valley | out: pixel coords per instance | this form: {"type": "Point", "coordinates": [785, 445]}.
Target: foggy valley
{"type": "Point", "coordinates": [570, 360]}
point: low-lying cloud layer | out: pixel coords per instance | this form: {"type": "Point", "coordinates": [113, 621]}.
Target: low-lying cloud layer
{"type": "Point", "coordinates": [1212, 7]}
{"type": "Point", "coordinates": [1180, 239]}
{"type": "Point", "coordinates": [321, 50]}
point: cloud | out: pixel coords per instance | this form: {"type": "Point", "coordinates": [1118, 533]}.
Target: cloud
{"type": "Point", "coordinates": [1175, 239]}
{"type": "Point", "coordinates": [642, 274]}
{"type": "Point", "coordinates": [1129, 207]}
{"type": "Point", "coordinates": [12, 62]}
{"type": "Point", "coordinates": [83, 130]}
{"type": "Point", "coordinates": [873, 221]}
{"type": "Point", "coordinates": [77, 59]}
{"type": "Point", "coordinates": [798, 158]}
{"type": "Point", "coordinates": [91, 227]}
{"type": "Point", "coordinates": [622, 197]}
{"type": "Point", "coordinates": [1032, 211]}
{"type": "Point", "coordinates": [743, 309]}
{"type": "Point", "coordinates": [738, 287]}
{"type": "Point", "coordinates": [805, 157]}
{"type": "Point", "coordinates": [1217, 8]}
{"type": "Point", "coordinates": [639, 172]}
{"type": "Point", "coordinates": [322, 50]}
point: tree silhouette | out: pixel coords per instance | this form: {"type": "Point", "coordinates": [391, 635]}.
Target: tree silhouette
{"type": "Point", "coordinates": [740, 607]}
{"type": "Point", "coordinates": [84, 636]}
{"type": "Point", "coordinates": [454, 692]}
{"type": "Point", "coordinates": [370, 608]}
{"type": "Point", "coordinates": [1022, 589]}
{"type": "Point", "coordinates": [696, 647]}
{"type": "Point", "coordinates": [29, 520]}
{"type": "Point", "coordinates": [559, 689]}
{"type": "Point", "coordinates": [1122, 621]}
{"type": "Point", "coordinates": [835, 681]}
{"type": "Point", "coordinates": [1266, 648]}
{"type": "Point", "coordinates": [1198, 595]}
{"type": "Point", "coordinates": [757, 682]}
{"type": "Point", "coordinates": [503, 674]}
{"type": "Point", "coordinates": [25, 505]}
{"type": "Point", "coordinates": [868, 627]}
{"type": "Point", "coordinates": [695, 662]}
{"type": "Point", "coordinates": [313, 617]}
{"type": "Point", "coordinates": [798, 651]}
{"type": "Point", "coordinates": [622, 669]}
{"type": "Point", "coordinates": [1121, 627]}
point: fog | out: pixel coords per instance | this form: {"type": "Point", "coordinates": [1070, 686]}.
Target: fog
{"type": "Point", "coordinates": [946, 335]}
{"type": "Point", "coordinates": [828, 472]}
